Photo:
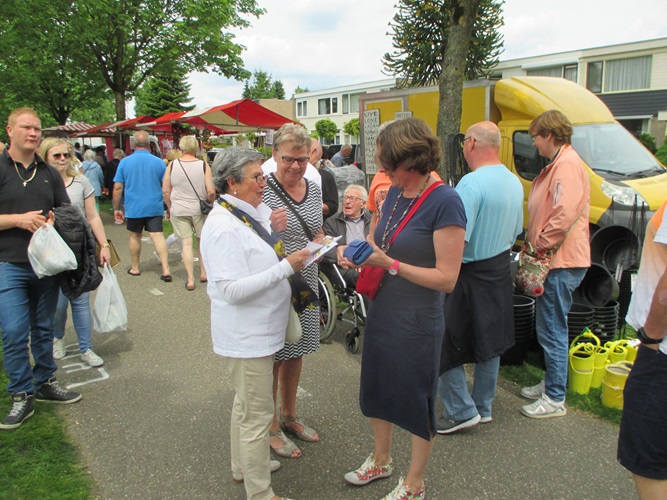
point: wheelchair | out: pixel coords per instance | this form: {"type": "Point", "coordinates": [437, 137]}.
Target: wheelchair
{"type": "Point", "coordinates": [333, 292]}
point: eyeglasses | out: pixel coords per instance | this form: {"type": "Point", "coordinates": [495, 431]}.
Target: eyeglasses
{"type": "Point", "coordinates": [259, 178]}
{"type": "Point", "coordinates": [533, 136]}
{"type": "Point", "coordinates": [58, 156]}
{"type": "Point", "coordinates": [347, 197]}
{"type": "Point", "coordinates": [289, 160]}
{"type": "Point", "coordinates": [463, 142]}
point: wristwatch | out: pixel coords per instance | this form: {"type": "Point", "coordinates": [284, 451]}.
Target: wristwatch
{"type": "Point", "coordinates": [393, 269]}
{"type": "Point", "coordinates": [645, 339]}
{"type": "Point", "coordinates": [105, 245]}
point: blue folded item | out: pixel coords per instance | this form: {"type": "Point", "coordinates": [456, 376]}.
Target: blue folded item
{"type": "Point", "coordinates": [357, 251]}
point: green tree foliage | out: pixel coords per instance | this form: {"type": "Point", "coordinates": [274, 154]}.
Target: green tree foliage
{"type": "Point", "coordinates": [445, 42]}
{"type": "Point", "coordinates": [121, 43]}
{"type": "Point", "coordinates": [163, 94]}
{"type": "Point", "coordinates": [300, 90]}
{"type": "Point", "coordinates": [104, 112]}
{"type": "Point", "coordinates": [421, 32]}
{"type": "Point", "coordinates": [39, 68]}
{"type": "Point", "coordinates": [326, 129]}
{"type": "Point", "coordinates": [127, 41]}
{"type": "Point", "coordinates": [263, 86]}
{"type": "Point", "coordinates": [661, 153]}
{"type": "Point", "coordinates": [352, 127]}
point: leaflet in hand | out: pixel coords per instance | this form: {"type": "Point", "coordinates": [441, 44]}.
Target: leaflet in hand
{"type": "Point", "coordinates": [317, 250]}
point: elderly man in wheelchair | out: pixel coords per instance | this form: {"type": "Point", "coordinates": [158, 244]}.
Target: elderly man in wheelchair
{"type": "Point", "coordinates": [353, 223]}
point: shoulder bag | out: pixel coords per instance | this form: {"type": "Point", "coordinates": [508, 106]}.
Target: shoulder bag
{"type": "Point", "coordinates": [204, 205]}
{"type": "Point", "coordinates": [370, 277]}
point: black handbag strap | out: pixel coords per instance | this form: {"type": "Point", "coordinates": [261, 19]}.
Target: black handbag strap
{"type": "Point", "coordinates": [272, 183]}
{"type": "Point", "coordinates": [188, 178]}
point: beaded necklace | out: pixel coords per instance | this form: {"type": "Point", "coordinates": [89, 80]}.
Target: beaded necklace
{"type": "Point", "coordinates": [389, 229]}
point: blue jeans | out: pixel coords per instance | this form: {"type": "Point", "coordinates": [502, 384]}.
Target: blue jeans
{"type": "Point", "coordinates": [459, 403]}
{"type": "Point", "coordinates": [27, 307]}
{"type": "Point", "coordinates": [551, 326]}
{"type": "Point", "coordinates": [80, 317]}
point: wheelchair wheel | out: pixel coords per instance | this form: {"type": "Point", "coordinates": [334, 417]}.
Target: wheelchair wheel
{"type": "Point", "coordinates": [327, 307]}
{"type": "Point", "coordinates": [352, 340]}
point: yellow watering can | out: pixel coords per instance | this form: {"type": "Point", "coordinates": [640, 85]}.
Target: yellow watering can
{"type": "Point", "coordinates": [582, 362]}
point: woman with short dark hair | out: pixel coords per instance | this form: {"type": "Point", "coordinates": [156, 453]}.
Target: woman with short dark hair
{"type": "Point", "coordinates": [405, 323]}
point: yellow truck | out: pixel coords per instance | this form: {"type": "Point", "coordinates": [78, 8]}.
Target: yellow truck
{"type": "Point", "coordinates": [623, 173]}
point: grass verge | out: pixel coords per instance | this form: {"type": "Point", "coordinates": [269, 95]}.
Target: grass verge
{"type": "Point", "coordinates": [39, 460]}
{"type": "Point", "coordinates": [530, 374]}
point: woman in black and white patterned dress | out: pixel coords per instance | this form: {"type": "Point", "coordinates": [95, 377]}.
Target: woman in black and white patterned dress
{"type": "Point", "coordinates": [289, 193]}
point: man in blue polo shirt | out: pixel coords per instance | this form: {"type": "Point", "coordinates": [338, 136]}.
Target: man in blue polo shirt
{"type": "Point", "coordinates": [29, 191]}
{"type": "Point", "coordinates": [139, 178]}
{"type": "Point", "coordinates": [479, 311]}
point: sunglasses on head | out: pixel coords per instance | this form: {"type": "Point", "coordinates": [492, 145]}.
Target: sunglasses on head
{"type": "Point", "coordinates": [58, 156]}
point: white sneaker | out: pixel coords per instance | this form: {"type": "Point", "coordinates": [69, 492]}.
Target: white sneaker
{"type": "Point", "coordinates": [59, 349]}
{"type": "Point", "coordinates": [401, 492]}
{"type": "Point", "coordinates": [544, 408]}
{"type": "Point", "coordinates": [91, 358]}
{"type": "Point", "coordinates": [534, 391]}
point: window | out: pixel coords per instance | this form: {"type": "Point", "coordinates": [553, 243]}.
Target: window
{"type": "Point", "coordinates": [594, 77]}
{"type": "Point", "coordinates": [570, 72]}
{"type": "Point", "coordinates": [553, 71]}
{"type": "Point", "coordinates": [327, 106]}
{"type": "Point", "coordinates": [302, 108]}
{"type": "Point", "coordinates": [351, 103]}
{"type": "Point", "coordinates": [627, 74]}
{"type": "Point", "coordinates": [527, 159]}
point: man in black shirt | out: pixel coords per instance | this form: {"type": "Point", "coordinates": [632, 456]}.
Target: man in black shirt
{"type": "Point", "coordinates": [29, 190]}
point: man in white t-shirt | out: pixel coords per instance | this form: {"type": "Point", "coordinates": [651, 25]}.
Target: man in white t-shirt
{"type": "Point", "coordinates": [642, 440]}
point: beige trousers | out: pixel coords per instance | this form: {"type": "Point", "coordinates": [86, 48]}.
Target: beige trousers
{"type": "Point", "coordinates": [252, 415]}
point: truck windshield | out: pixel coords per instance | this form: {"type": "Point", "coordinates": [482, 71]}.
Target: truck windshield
{"type": "Point", "coordinates": [612, 152]}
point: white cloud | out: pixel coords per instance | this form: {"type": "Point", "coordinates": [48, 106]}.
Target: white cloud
{"type": "Point", "coordinates": [326, 44]}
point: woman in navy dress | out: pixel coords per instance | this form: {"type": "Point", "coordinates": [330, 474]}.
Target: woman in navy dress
{"type": "Point", "coordinates": [405, 324]}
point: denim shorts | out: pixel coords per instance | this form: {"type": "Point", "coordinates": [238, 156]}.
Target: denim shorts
{"type": "Point", "coordinates": [642, 439]}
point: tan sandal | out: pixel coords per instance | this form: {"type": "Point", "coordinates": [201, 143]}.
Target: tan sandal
{"type": "Point", "coordinates": [288, 449]}
{"type": "Point", "coordinates": [307, 434]}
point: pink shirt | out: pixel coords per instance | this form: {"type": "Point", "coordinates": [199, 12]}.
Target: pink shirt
{"type": "Point", "coordinates": [558, 208]}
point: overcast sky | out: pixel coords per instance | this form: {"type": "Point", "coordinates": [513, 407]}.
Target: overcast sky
{"type": "Point", "coordinates": [318, 45]}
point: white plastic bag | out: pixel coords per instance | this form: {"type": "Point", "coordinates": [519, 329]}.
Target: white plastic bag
{"type": "Point", "coordinates": [109, 310]}
{"type": "Point", "coordinates": [49, 254]}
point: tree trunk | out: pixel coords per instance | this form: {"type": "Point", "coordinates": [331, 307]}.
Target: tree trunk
{"type": "Point", "coordinates": [119, 97]}
{"type": "Point", "coordinates": [451, 80]}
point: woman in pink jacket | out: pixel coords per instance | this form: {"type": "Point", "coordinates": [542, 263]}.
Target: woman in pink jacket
{"type": "Point", "coordinates": [558, 208]}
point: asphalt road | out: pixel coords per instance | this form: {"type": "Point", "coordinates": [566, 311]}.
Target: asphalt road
{"type": "Point", "coordinates": [154, 420]}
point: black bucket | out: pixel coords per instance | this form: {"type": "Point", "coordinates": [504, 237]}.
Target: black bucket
{"type": "Point", "coordinates": [524, 330]}
{"type": "Point", "coordinates": [580, 317]}
{"type": "Point", "coordinates": [614, 245]}
{"type": "Point", "coordinates": [597, 288]}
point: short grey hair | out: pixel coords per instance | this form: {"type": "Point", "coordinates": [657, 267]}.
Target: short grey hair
{"type": "Point", "coordinates": [141, 139]}
{"type": "Point", "coordinates": [291, 132]}
{"type": "Point", "coordinates": [361, 189]}
{"type": "Point", "coordinates": [89, 155]}
{"type": "Point", "coordinates": [230, 163]}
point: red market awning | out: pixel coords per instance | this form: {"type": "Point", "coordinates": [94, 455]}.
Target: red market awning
{"type": "Point", "coordinates": [69, 128]}
{"type": "Point", "coordinates": [240, 116]}
{"type": "Point", "coordinates": [132, 123]}
{"type": "Point", "coordinates": [105, 130]}
{"type": "Point", "coordinates": [165, 122]}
